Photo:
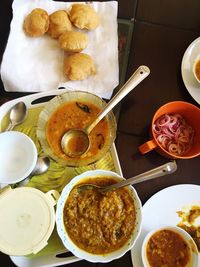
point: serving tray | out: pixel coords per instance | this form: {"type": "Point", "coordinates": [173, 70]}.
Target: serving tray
{"type": "Point", "coordinates": [56, 177]}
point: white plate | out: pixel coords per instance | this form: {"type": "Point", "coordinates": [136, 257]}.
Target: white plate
{"type": "Point", "coordinates": [160, 210]}
{"type": "Point", "coordinates": [189, 80]}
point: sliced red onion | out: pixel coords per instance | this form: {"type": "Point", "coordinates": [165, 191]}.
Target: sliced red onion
{"type": "Point", "coordinates": [173, 133]}
{"type": "Point", "coordinates": [164, 140]}
{"type": "Point", "coordinates": [163, 120]}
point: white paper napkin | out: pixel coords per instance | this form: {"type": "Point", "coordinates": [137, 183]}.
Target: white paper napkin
{"type": "Point", "coordinates": [36, 64]}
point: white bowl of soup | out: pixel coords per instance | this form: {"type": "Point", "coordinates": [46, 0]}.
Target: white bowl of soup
{"type": "Point", "coordinates": [169, 246]}
{"type": "Point", "coordinates": [98, 227]}
{"type": "Point", "coordinates": [75, 109]}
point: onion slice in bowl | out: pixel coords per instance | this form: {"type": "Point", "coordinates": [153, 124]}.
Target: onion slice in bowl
{"type": "Point", "coordinates": [173, 133]}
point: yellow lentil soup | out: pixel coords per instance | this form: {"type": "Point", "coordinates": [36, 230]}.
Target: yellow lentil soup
{"type": "Point", "coordinates": [76, 115]}
{"type": "Point", "coordinates": [99, 223]}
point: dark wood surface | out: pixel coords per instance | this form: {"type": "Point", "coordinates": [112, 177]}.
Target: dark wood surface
{"type": "Point", "coordinates": [162, 32]}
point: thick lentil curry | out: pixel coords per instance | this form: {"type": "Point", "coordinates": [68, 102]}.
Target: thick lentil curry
{"type": "Point", "coordinates": [99, 223]}
{"type": "Point", "coordinates": [167, 249]}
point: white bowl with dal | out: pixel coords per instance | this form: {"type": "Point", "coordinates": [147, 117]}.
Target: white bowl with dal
{"type": "Point", "coordinates": [64, 235]}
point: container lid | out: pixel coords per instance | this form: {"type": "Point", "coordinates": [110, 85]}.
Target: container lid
{"type": "Point", "coordinates": [27, 219]}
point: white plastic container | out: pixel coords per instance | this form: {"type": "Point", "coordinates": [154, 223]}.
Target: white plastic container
{"type": "Point", "coordinates": [27, 219]}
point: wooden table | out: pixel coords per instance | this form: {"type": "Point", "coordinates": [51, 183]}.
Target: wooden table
{"type": "Point", "coordinates": [162, 32]}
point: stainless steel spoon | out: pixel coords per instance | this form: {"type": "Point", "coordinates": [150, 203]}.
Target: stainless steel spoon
{"type": "Point", "coordinates": [76, 142]}
{"type": "Point", "coordinates": [41, 167]}
{"type": "Point", "coordinates": [162, 170]}
{"type": "Point", "coordinates": [18, 114]}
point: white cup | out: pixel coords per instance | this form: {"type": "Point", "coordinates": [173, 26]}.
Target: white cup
{"type": "Point", "coordinates": [18, 156]}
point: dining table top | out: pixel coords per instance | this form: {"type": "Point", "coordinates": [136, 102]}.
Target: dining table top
{"type": "Point", "coordinates": [161, 33]}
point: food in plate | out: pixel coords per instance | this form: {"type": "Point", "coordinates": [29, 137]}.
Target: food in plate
{"type": "Point", "coordinates": [76, 115]}
{"type": "Point", "coordinates": [99, 223]}
{"type": "Point", "coordinates": [168, 248]}
{"type": "Point", "coordinates": [196, 69]}
{"type": "Point", "coordinates": [36, 23]}
{"type": "Point", "coordinates": [59, 23]}
{"type": "Point", "coordinates": [83, 16]}
{"type": "Point", "coordinates": [190, 221]}
{"type": "Point", "coordinates": [79, 66]}
{"type": "Point", "coordinates": [73, 41]}
{"type": "Point", "coordinates": [173, 133]}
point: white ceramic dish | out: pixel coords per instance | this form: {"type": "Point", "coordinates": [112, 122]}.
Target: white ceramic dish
{"type": "Point", "coordinates": [161, 210]}
{"type": "Point", "coordinates": [66, 239]}
{"type": "Point", "coordinates": [186, 237]}
{"type": "Point", "coordinates": [190, 55]}
{"type": "Point", "coordinates": [18, 156]}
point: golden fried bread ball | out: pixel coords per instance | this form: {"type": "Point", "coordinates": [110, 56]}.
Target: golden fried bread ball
{"type": "Point", "coordinates": [84, 17]}
{"type": "Point", "coordinates": [73, 41]}
{"type": "Point", "coordinates": [59, 23]}
{"type": "Point", "coordinates": [36, 23]}
{"type": "Point", "coordinates": [79, 66]}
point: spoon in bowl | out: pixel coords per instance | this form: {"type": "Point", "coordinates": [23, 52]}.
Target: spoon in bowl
{"type": "Point", "coordinates": [18, 114]}
{"type": "Point", "coordinates": [162, 170]}
{"type": "Point", "coordinates": [76, 142]}
{"type": "Point", "coordinates": [41, 167]}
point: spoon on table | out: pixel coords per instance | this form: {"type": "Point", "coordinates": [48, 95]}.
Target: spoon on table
{"type": "Point", "coordinates": [41, 167]}
{"type": "Point", "coordinates": [76, 142]}
{"type": "Point", "coordinates": [162, 170]}
{"type": "Point", "coordinates": [18, 114]}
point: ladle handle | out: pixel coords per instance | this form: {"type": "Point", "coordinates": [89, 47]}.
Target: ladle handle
{"type": "Point", "coordinates": [165, 169]}
{"type": "Point", "coordinates": [139, 75]}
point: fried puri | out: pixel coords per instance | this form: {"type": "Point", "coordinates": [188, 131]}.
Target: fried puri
{"type": "Point", "coordinates": [79, 66]}
{"type": "Point", "coordinates": [73, 41]}
{"type": "Point", "coordinates": [36, 23]}
{"type": "Point", "coordinates": [59, 23]}
{"type": "Point", "coordinates": [84, 17]}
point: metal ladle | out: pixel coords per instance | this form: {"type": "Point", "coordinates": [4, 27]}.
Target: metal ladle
{"type": "Point", "coordinates": [41, 167]}
{"type": "Point", "coordinates": [18, 114]}
{"type": "Point", "coordinates": [162, 170]}
{"type": "Point", "coordinates": [76, 142]}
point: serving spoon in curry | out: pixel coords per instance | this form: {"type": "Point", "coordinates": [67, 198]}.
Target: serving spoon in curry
{"type": "Point", "coordinates": [76, 142]}
{"type": "Point", "coordinates": [162, 170]}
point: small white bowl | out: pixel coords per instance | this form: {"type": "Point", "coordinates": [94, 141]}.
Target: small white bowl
{"type": "Point", "coordinates": [18, 156]}
{"type": "Point", "coordinates": [186, 237]}
{"type": "Point", "coordinates": [68, 243]}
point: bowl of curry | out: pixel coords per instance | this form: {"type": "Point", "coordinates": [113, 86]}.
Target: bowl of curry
{"type": "Point", "coordinates": [169, 246]}
{"type": "Point", "coordinates": [75, 110]}
{"type": "Point", "coordinates": [98, 227]}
